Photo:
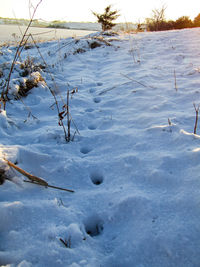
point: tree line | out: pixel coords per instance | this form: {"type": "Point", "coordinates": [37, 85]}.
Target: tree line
{"type": "Point", "coordinates": [157, 22]}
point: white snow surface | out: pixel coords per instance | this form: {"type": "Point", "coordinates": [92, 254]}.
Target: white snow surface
{"type": "Point", "coordinates": [134, 165]}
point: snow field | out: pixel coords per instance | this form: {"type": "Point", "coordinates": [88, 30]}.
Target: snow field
{"type": "Point", "coordinates": [135, 176]}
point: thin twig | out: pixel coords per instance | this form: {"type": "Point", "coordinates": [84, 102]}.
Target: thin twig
{"type": "Point", "coordinates": [137, 81]}
{"type": "Point", "coordinates": [55, 98]}
{"type": "Point", "coordinates": [197, 115]}
{"type": "Point", "coordinates": [68, 119]}
{"type": "Point", "coordinates": [67, 243]}
{"type": "Point", "coordinates": [74, 124]}
{"type": "Point", "coordinates": [52, 91]}
{"type": "Point", "coordinates": [175, 83]}
{"type": "Point", "coordinates": [28, 108]}
{"type": "Point", "coordinates": [110, 89]}
{"type": "Point", "coordinates": [52, 186]}
{"type": "Point", "coordinates": [22, 47]}
{"type": "Point", "coordinates": [147, 86]}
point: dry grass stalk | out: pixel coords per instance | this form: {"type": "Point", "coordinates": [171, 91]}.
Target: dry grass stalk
{"type": "Point", "coordinates": [66, 243]}
{"type": "Point", "coordinates": [4, 93]}
{"type": "Point", "coordinates": [52, 186]}
{"type": "Point", "coordinates": [34, 179]}
{"type": "Point", "coordinates": [197, 115]}
{"type": "Point", "coordinates": [31, 177]}
{"type": "Point", "coordinates": [144, 85]}
{"type": "Point", "coordinates": [112, 88]}
{"type": "Point", "coordinates": [61, 114]}
{"type": "Point", "coordinates": [175, 83]}
{"type": "Point", "coordinates": [68, 118]}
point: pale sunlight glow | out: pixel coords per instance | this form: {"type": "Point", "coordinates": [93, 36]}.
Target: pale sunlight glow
{"type": "Point", "coordinates": [80, 10]}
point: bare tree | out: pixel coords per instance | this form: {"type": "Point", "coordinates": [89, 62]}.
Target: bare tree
{"type": "Point", "coordinates": [159, 14]}
{"type": "Point", "coordinates": [158, 19]}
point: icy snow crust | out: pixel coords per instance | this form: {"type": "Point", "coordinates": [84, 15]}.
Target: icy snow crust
{"type": "Point", "coordinates": [136, 175]}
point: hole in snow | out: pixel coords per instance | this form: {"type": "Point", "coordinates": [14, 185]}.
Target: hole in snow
{"type": "Point", "coordinates": [99, 84]}
{"type": "Point", "coordinates": [97, 100]}
{"type": "Point", "coordinates": [94, 225]}
{"type": "Point", "coordinates": [96, 178]}
{"type": "Point", "coordinates": [85, 150]}
{"type": "Point", "coordinates": [89, 110]}
{"type": "Point", "coordinates": [92, 90]}
{"type": "Point", "coordinates": [92, 127]}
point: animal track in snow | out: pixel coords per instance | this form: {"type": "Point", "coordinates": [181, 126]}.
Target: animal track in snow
{"type": "Point", "coordinates": [97, 100]}
{"type": "Point", "coordinates": [92, 127]}
{"type": "Point", "coordinates": [97, 178]}
{"type": "Point", "coordinates": [92, 90]}
{"type": "Point", "coordinates": [89, 110]}
{"type": "Point", "coordinates": [99, 84]}
{"type": "Point", "coordinates": [85, 150]}
{"type": "Point", "coordinates": [94, 225]}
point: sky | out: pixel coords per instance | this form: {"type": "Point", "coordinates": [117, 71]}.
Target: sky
{"type": "Point", "coordinates": [80, 10]}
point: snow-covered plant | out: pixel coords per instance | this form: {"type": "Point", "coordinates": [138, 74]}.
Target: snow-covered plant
{"type": "Point", "coordinates": [24, 39]}
{"type": "Point", "coordinates": [65, 113]}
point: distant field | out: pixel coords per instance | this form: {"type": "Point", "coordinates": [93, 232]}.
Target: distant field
{"type": "Point", "coordinates": [13, 33]}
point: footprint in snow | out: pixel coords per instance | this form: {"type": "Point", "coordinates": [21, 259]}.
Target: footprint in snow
{"type": "Point", "coordinates": [99, 84]}
{"type": "Point", "coordinates": [97, 100]}
{"type": "Point", "coordinates": [89, 110]}
{"type": "Point", "coordinates": [85, 150]}
{"type": "Point", "coordinates": [92, 127]}
{"type": "Point", "coordinates": [92, 91]}
{"type": "Point", "coordinates": [94, 225]}
{"type": "Point", "coordinates": [96, 178]}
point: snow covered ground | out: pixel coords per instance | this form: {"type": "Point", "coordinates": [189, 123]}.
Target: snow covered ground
{"type": "Point", "coordinates": [134, 165]}
{"type": "Point", "coordinates": [13, 33]}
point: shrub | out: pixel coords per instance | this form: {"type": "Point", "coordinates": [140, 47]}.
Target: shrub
{"type": "Point", "coordinates": [183, 22]}
{"type": "Point", "coordinates": [106, 19]}
{"type": "Point", "coordinates": [161, 26]}
{"type": "Point", "coordinates": [158, 22]}
{"type": "Point", "coordinates": [196, 21]}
